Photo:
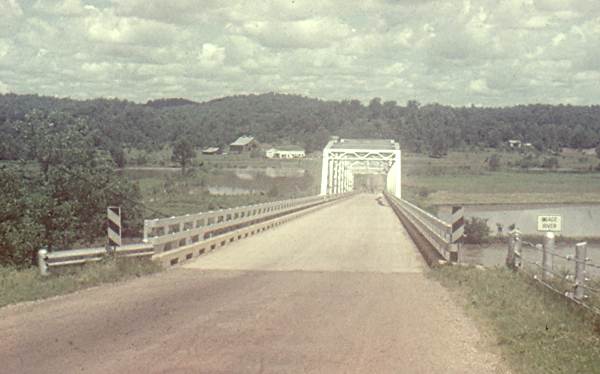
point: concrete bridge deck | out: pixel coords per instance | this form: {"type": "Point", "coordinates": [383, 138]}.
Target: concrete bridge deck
{"type": "Point", "coordinates": [341, 290]}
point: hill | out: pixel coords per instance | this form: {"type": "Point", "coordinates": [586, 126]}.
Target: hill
{"type": "Point", "coordinates": [278, 118]}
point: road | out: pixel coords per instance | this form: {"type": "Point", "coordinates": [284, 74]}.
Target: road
{"type": "Point", "coordinates": [341, 290]}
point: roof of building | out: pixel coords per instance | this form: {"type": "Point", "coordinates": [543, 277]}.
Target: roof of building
{"type": "Point", "coordinates": [211, 149]}
{"type": "Point", "coordinates": [243, 140]}
{"type": "Point", "coordinates": [288, 148]}
{"type": "Point", "coordinates": [381, 144]}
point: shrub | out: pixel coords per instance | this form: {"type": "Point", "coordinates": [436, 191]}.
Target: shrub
{"type": "Point", "coordinates": [494, 162]}
{"type": "Point", "coordinates": [550, 163]}
{"type": "Point", "coordinates": [477, 231]}
{"type": "Point", "coordinates": [424, 192]}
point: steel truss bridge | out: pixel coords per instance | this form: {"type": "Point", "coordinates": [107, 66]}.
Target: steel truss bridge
{"type": "Point", "coordinates": [345, 158]}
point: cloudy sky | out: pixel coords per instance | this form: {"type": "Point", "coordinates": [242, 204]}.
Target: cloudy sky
{"type": "Point", "coordinates": [483, 52]}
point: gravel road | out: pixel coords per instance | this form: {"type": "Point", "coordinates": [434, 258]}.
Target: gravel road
{"type": "Point", "coordinates": [341, 290]}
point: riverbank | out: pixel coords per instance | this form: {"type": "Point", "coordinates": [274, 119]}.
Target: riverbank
{"type": "Point", "coordinates": [539, 332]}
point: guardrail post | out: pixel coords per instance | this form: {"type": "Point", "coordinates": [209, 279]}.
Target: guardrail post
{"type": "Point", "coordinates": [547, 254]}
{"type": "Point", "coordinates": [147, 230]}
{"type": "Point", "coordinates": [580, 260]}
{"type": "Point", "coordinates": [458, 229]}
{"type": "Point", "coordinates": [513, 257]}
{"type": "Point", "coordinates": [42, 256]}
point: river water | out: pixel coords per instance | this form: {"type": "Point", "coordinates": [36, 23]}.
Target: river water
{"type": "Point", "coordinates": [495, 255]}
{"type": "Point", "coordinates": [578, 220]}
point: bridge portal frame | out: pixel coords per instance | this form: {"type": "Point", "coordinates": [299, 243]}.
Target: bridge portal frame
{"type": "Point", "coordinates": [340, 163]}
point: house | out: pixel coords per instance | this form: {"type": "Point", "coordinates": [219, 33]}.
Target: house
{"type": "Point", "coordinates": [211, 151]}
{"type": "Point", "coordinates": [289, 151]}
{"type": "Point", "coordinates": [514, 143]}
{"type": "Point", "coordinates": [243, 144]}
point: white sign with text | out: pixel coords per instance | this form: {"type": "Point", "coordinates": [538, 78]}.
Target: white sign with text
{"type": "Point", "coordinates": [549, 223]}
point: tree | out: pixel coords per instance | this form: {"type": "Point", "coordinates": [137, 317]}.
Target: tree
{"type": "Point", "coordinates": [183, 153]}
{"type": "Point", "coordinates": [60, 196]}
{"type": "Point", "coordinates": [550, 163]}
{"type": "Point", "coordinates": [476, 231]}
{"type": "Point", "coordinates": [494, 162]}
{"type": "Point", "coordinates": [439, 145]}
{"type": "Point", "coordinates": [598, 150]}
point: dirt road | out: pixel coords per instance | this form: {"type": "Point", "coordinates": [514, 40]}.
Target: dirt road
{"type": "Point", "coordinates": [341, 290]}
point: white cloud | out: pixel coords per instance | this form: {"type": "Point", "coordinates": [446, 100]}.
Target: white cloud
{"type": "Point", "coordinates": [479, 86]}
{"type": "Point", "coordinates": [306, 33]}
{"type": "Point", "coordinates": [3, 88]}
{"type": "Point", "coordinates": [211, 55]}
{"type": "Point", "coordinates": [105, 26]}
{"type": "Point", "coordinates": [61, 8]}
{"type": "Point", "coordinates": [486, 51]}
{"type": "Point", "coordinates": [10, 8]}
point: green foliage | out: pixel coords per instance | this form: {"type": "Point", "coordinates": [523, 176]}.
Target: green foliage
{"type": "Point", "coordinates": [275, 118]}
{"type": "Point", "coordinates": [494, 162]}
{"type": "Point", "coordinates": [183, 153]}
{"type": "Point", "coordinates": [61, 197]}
{"type": "Point", "coordinates": [528, 161]}
{"type": "Point", "coordinates": [17, 285]}
{"type": "Point", "coordinates": [538, 331]}
{"type": "Point", "coordinates": [550, 163]}
{"type": "Point", "coordinates": [476, 231]}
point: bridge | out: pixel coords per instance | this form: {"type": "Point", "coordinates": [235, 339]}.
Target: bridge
{"type": "Point", "coordinates": [335, 283]}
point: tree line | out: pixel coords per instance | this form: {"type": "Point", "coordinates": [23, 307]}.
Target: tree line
{"type": "Point", "coordinates": [277, 118]}
{"type": "Point", "coordinates": [56, 195]}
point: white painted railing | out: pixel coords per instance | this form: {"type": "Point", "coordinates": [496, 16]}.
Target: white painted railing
{"type": "Point", "coordinates": [166, 234]}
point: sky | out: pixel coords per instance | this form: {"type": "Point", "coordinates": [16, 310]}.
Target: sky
{"type": "Point", "coordinates": [471, 52]}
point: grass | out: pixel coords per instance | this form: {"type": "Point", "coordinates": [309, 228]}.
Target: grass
{"type": "Point", "coordinates": [27, 284]}
{"type": "Point", "coordinates": [536, 330]}
{"type": "Point", "coordinates": [463, 178]}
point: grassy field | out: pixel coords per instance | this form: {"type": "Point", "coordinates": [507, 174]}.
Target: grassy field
{"type": "Point", "coordinates": [538, 331]}
{"type": "Point", "coordinates": [169, 192]}
{"type": "Point", "coordinates": [464, 178]}
{"type": "Point", "coordinates": [27, 284]}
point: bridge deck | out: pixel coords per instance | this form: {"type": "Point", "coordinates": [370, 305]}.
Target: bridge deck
{"type": "Point", "coordinates": [345, 293]}
{"type": "Point", "coordinates": [361, 234]}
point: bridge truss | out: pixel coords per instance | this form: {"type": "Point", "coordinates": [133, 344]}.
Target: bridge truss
{"type": "Point", "coordinates": [345, 158]}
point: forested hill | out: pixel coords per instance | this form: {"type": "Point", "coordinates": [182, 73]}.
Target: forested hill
{"type": "Point", "coordinates": [278, 118]}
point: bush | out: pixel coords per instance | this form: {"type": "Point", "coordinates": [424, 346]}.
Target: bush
{"type": "Point", "coordinates": [550, 163]}
{"type": "Point", "coordinates": [477, 231]}
{"type": "Point", "coordinates": [424, 192]}
{"type": "Point", "coordinates": [494, 162]}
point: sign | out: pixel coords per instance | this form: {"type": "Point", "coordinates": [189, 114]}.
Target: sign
{"type": "Point", "coordinates": [549, 223]}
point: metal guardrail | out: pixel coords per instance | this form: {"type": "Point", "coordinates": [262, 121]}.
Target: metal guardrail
{"type": "Point", "coordinates": [165, 238]}
{"type": "Point", "coordinates": [437, 232]}
{"type": "Point", "coordinates": [572, 283]}
{"type": "Point", "coordinates": [48, 260]}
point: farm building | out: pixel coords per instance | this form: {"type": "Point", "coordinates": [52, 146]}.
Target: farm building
{"type": "Point", "coordinates": [211, 151]}
{"type": "Point", "coordinates": [290, 151]}
{"type": "Point", "coordinates": [243, 144]}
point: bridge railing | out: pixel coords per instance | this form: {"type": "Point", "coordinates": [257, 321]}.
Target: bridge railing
{"type": "Point", "coordinates": [166, 234]}
{"type": "Point", "coordinates": [222, 233]}
{"type": "Point", "coordinates": [48, 261]}
{"type": "Point", "coordinates": [437, 232]}
{"type": "Point", "coordinates": [172, 240]}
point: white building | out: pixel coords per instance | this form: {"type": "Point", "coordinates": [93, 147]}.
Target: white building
{"type": "Point", "coordinates": [290, 151]}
